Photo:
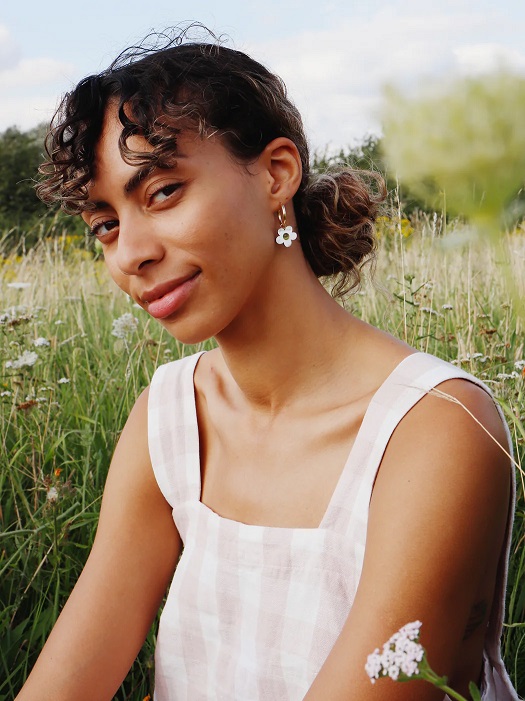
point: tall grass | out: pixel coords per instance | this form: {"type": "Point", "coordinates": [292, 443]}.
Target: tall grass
{"type": "Point", "coordinates": [60, 417]}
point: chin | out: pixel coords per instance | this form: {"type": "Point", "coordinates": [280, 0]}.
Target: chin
{"type": "Point", "coordinates": [190, 334]}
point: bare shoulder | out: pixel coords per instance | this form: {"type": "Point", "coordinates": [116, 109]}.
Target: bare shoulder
{"type": "Point", "coordinates": [445, 482]}
{"type": "Point", "coordinates": [453, 440]}
{"type": "Point", "coordinates": [131, 486]}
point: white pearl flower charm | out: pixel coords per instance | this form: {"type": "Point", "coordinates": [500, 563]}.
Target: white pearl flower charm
{"type": "Point", "coordinates": [285, 234]}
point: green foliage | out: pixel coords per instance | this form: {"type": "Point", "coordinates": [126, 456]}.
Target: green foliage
{"type": "Point", "coordinates": [20, 156]}
{"type": "Point", "coordinates": [465, 141]}
{"type": "Point", "coordinates": [59, 435]}
{"type": "Point", "coordinates": [369, 155]}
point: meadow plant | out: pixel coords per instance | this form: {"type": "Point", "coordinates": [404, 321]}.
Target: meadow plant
{"type": "Point", "coordinates": [61, 415]}
{"type": "Point", "coordinates": [404, 659]}
{"type": "Point", "coordinates": [464, 141]}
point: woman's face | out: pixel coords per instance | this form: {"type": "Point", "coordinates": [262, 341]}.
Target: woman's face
{"type": "Point", "coordinates": [190, 244]}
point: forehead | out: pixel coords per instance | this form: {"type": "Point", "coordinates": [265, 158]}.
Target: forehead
{"type": "Point", "coordinates": [113, 169]}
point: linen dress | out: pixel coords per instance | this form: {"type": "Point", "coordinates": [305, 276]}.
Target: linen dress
{"type": "Point", "coordinates": [253, 611]}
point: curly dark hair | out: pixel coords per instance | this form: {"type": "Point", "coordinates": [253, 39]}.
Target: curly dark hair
{"type": "Point", "coordinates": [209, 88]}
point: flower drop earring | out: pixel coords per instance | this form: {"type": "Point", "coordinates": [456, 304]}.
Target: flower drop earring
{"type": "Point", "coordinates": [285, 234]}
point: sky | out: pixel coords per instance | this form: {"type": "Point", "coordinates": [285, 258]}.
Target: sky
{"type": "Point", "coordinates": [335, 57]}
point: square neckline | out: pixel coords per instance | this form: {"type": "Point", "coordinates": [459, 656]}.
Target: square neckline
{"type": "Point", "coordinates": [189, 381]}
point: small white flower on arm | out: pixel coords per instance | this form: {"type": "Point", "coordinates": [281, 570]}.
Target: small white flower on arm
{"type": "Point", "coordinates": [401, 655]}
{"type": "Point", "coordinates": [403, 658]}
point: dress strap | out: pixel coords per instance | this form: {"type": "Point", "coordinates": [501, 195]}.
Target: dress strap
{"type": "Point", "coordinates": [173, 436]}
{"type": "Point", "coordinates": [410, 381]}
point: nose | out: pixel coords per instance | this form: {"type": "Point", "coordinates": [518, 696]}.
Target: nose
{"type": "Point", "coordinates": [138, 245]}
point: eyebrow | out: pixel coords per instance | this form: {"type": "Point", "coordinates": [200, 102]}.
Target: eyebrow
{"type": "Point", "coordinates": [138, 176]}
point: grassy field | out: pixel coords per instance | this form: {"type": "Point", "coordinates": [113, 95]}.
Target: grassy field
{"type": "Point", "coordinates": [70, 373]}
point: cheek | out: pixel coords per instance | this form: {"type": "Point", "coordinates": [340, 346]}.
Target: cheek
{"type": "Point", "coordinates": [116, 274]}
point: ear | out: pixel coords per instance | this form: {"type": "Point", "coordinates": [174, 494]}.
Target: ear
{"type": "Point", "coordinates": [282, 163]}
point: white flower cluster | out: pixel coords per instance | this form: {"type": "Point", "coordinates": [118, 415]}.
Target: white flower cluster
{"type": "Point", "coordinates": [401, 655]}
{"type": "Point", "coordinates": [52, 495]}
{"type": "Point", "coordinates": [124, 326]}
{"type": "Point", "coordinates": [470, 356]}
{"type": "Point", "coordinates": [27, 359]}
{"type": "Point", "coordinates": [519, 364]}
{"type": "Point", "coordinates": [41, 342]}
{"type": "Point", "coordinates": [429, 310]}
{"type": "Point", "coordinates": [508, 375]}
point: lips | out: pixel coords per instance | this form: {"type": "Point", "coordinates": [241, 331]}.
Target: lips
{"type": "Point", "coordinates": [165, 299]}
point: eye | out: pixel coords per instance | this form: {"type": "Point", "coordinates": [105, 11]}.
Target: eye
{"type": "Point", "coordinates": [164, 193]}
{"type": "Point", "coordinates": [103, 228]}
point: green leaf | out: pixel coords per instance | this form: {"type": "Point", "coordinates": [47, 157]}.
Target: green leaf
{"type": "Point", "coordinates": [474, 692]}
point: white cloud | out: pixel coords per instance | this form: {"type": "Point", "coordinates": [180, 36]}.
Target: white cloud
{"type": "Point", "coordinates": [9, 53]}
{"type": "Point", "coordinates": [482, 58]}
{"type": "Point", "coordinates": [336, 76]}
{"type": "Point", "coordinates": [26, 112]}
{"type": "Point", "coordinates": [29, 86]}
{"type": "Point", "coordinates": [31, 72]}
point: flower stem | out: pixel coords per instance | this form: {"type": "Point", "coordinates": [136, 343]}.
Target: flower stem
{"type": "Point", "coordinates": [450, 692]}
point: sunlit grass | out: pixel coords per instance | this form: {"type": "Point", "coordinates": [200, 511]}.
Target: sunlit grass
{"type": "Point", "coordinates": [62, 413]}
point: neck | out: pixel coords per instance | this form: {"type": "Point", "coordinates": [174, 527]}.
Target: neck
{"type": "Point", "coordinates": [287, 343]}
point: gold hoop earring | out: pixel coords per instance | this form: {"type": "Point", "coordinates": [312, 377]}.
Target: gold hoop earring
{"type": "Point", "coordinates": [285, 234]}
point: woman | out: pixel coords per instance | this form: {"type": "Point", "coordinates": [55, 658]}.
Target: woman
{"type": "Point", "coordinates": [261, 458]}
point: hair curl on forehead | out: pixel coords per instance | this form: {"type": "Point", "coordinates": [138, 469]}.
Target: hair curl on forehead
{"type": "Point", "coordinates": [159, 91]}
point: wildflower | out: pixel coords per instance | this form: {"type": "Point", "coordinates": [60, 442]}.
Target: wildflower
{"type": "Point", "coordinates": [58, 322]}
{"type": "Point", "coordinates": [27, 359]}
{"type": "Point", "coordinates": [63, 381]}
{"type": "Point", "coordinates": [5, 393]}
{"type": "Point", "coordinates": [52, 495]}
{"type": "Point", "coordinates": [447, 307]}
{"type": "Point", "coordinates": [468, 357]}
{"type": "Point", "coordinates": [124, 326]}
{"type": "Point", "coordinates": [19, 285]}
{"type": "Point", "coordinates": [428, 310]}
{"type": "Point", "coordinates": [41, 342]}
{"type": "Point", "coordinates": [403, 659]}
{"type": "Point", "coordinates": [286, 236]}
{"type": "Point", "coordinates": [519, 364]}
{"type": "Point", "coordinates": [400, 656]}
{"type": "Point", "coordinates": [57, 472]}
{"type": "Point", "coordinates": [507, 376]}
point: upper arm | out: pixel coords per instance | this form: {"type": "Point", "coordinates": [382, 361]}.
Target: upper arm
{"type": "Point", "coordinates": [436, 525]}
{"type": "Point", "coordinates": [110, 610]}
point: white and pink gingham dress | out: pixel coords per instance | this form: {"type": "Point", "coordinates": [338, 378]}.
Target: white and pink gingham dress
{"type": "Point", "coordinates": [253, 611]}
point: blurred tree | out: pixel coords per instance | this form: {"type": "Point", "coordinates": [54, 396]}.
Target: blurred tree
{"type": "Point", "coordinates": [20, 156]}
{"type": "Point", "coordinates": [369, 155]}
{"type": "Point", "coordinates": [24, 219]}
